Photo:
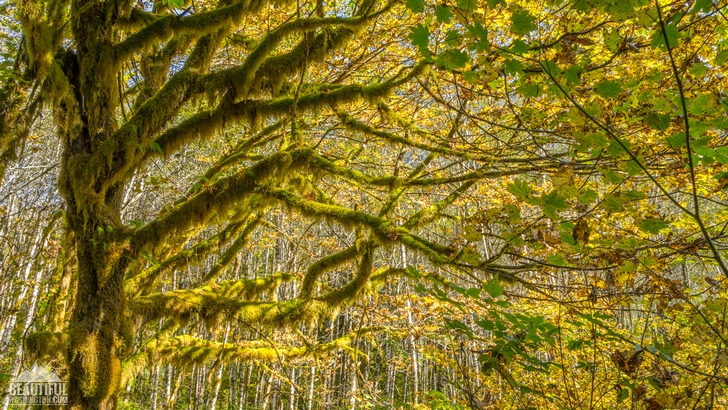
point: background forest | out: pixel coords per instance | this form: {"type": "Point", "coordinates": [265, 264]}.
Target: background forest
{"type": "Point", "coordinates": [374, 204]}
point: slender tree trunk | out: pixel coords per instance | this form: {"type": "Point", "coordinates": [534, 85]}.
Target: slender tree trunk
{"type": "Point", "coordinates": [218, 377]}
{"type": "Point", "coordinates": [155, 386]}
{"type": "Point", "coordinates": [311, 387]}
{"type": "Point", "coordinates": [292, 390]}
{"type": "Point", "coordinates": [412, 340]}
{"type": "Point", "coordinates": [267, 393]}
{"type": "Point", "coordinates": [354, 386]}
{"type": "Point", "coordinates": [30, 316]}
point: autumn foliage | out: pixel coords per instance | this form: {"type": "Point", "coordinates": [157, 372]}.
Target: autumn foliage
{"type": "Point", "coordinates": [376, 204]}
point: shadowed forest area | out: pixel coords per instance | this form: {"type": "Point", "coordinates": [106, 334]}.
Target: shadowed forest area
{"type": "Point", "coordinates": [365, 204]}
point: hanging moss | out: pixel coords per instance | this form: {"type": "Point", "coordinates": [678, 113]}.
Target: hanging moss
{"type": "Point", "coordinates": [186, 350]}
{"type": "Point", "coordinates": [328, 262]}
{"type": "Point", "coordinates": [197, 24]}
{"type": "Point", "coordinates": [351, 290]}
{"type": "Point", "coordinates": [135, 284]}
{"type": "Point", "coordinates": [253, 111]}
{"type": "Point", "coordinates": [316, 161]}
{"type": "Point", "coordinates": [231, 252]}
{"type": "Point", "coordinates": [47, 346]}
{"type": "Point", "coordinates": [221, 196]}
{"type": "Point", "coordinates": [232, 299]}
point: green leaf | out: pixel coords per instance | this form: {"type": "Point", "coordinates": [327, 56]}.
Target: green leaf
{"type": "Point", "coordinates": [632, 168]}
{"type": "Point", "coordinates": [573, 75]}
{"type": "Point", "coordinates": [514, 238]}
{"type": "Point", "coordinates": [676, 140]}
{"type": "Point", "coordinates": [612, 39]}
{"type": "Point", "coordinates": [551, 68]}
{"type": "Point", "coordinates": [556, 259]}
{"type": "Point", "coordinates": [612, 203]}
{"type": "Point", "coordinates": [699, 69]}
{"type": "Point", "coordinates": [471, 77]}
{"type": "Point", "coordinates": [721, 57]}
{"type": "Point", "coordinates": [609, 89]}
{"type": "Point", "coordinates": [157, 148]}
{"type": "Point", "coordinates": [523, 22]}
{"type": "Point", "coordinates": [622, 394]}
{"type": "Point", "coordinates": [653, 225]}
{"type": "Point", "coordinates": [480, 33]}
{"type": "Point", "coordinates": [416, 6]}
{"type": "Point", "coordinates": [703, 5]}
{"type": "Point", "coordinates": [588, 197]}
{"type": "Point", "coordinates": [443, 13]}
{"type": "Point", "coordinates": [553, 199]}
{"type": "Point", "coordinates": [529, 90]}
{"type": "Point", "coordinates": [453, 59]}
{"type": "Point", "coordinates": [520, 189]}
{"type": "Point", "coordinates": [567, 238]}
{"type": "Point", "coordinates": [176, 3]}
{"type": "Point", "coordinates": [513, 212]}
{"type": "Point", "coordinates": [593, 109]}
{"type": "Point", "coordinates": [658, 121]}
{"type": "Point", "coordinates": [493, 287]}
{"type": "Point", "coordinates": [519, 47]}
{"type": "Point", "coordinates": [485, 324]}
{"type": "Point", "coordinates": [673, 36]}
{"type": "Point", "coordinates": [512, 67]}
{"type": "Point", "coordinates": [493, 3]}
{"type": "Point", "coordinates": [413, 272]}
{"type": "Point", "coordinates": [467, 5]}
{"type": "Point", "coordinates": [420, 36]}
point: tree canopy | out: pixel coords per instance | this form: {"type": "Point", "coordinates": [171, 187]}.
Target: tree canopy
{"type": "Point", "coordinates": [466, 204]}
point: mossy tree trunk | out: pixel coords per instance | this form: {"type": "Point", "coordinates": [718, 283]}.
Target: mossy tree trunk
{"type": "Point", "coordinates": [99, 329]}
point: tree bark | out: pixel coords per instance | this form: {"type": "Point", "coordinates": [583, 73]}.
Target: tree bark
{"type": "Point", "coordinates": [100, 333]}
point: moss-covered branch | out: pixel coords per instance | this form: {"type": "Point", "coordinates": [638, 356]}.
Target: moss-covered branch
{"type": "Point", "coordinates": [328, 262]}
{"type": "Point", "coordinates": [240, 79]}
{"type": "Point", "coordinates": [215, 200]}
{"type": "Point", "coordinates": [187, 350]}
{"type": "Point", "coordinates": [162, 28]}
{"type": "Point", "coordinates": [214, 307]}
{"type": "Point", "coordinates": [353, 288]}
{"type": "Point", "coordinates": [204, 123]}
{"type": "Point", "coordinates": [134, 140]}
{"type": "Point", "coordinates": [314, 160]}
{"type": "Point", "coordinates": [382, 228]}
{"type": "Point", "coordinates": [144, 280]}
{"type": "Point", "coordinates": [231, 252]}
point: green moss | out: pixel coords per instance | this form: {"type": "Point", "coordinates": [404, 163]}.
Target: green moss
{"type": "Point", "coordinates": [197, 24]}
{"type": "Point", "coordinates": [186, 350]}
{"type": "Point", "coordinates": [47, 346]}
{"type": "Point", "coordinates": [351, 290]}
{"type": "Point", "coordinates": [143, 281]}
{"type": "Point", "coordinates": [221, 197]}
{"type": "Point", "coordinates": [227, 300]}
{"type": "Point", "coordinates": [231, 252]}
{"type": "Point", "coordinates": [318, 268]}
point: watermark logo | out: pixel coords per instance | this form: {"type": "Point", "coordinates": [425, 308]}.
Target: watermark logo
{"type": "Point", "coordinates": [38, 385]}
